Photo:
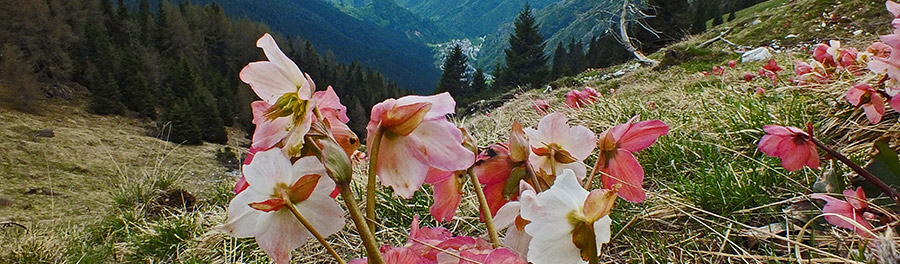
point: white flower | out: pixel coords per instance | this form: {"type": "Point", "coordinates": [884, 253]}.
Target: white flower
{"type": "Point", "coordinates": [260, 211]}
{"type": "Point", "coordinates": [554, 213]}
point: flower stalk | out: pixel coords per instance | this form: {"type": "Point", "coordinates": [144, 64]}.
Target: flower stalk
{"type": "Point", "coordinates": [482, 202]}
{"type": "Point", "coordinates": [368, 237]}
{"type": "Point", "coordinates": [373, 169]}
{"type": "Point", "coordinates": [315, 233]}
{"type": "Point", "coordinates": [861, 171]}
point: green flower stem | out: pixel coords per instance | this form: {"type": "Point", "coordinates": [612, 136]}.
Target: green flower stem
{"type": "Point", "coordinates": [315, 233]}
{"type": "Point", "coordinates": [368, 238]}
{"type": "Point", "coordinates": [373, 168]}
{"type": "Point", "coordinates": [485, 209]}
{"type": "Point", "coordinates": [553, 164]}
{"type": "Point", "coordinates": [862, 172]}
{"type": "Point", "coordinates": [530, 173]}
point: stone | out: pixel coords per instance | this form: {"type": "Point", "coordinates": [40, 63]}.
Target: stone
{"type": "Point", "coordinates": [757, 54]}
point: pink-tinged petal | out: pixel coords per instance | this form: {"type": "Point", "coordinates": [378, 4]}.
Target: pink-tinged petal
{"type": "Point", "coordinates": [493, 165]}
{"type": "Point", "coordinates": [794, 156]}
{"type": "Point", "coordinates": [855, 94]}
{"type": "Point", "coordinates": [447, 194]}
{"type": "Point", "coordinates": [243, 221]}
{"type": "Point", "coordinates": [778, 130]}
{"type": "Point", "coordinates": [856, 198]}
{"type": "Point", "coordinates": [281, 235]}
{"type": "Point", "coordinates": [241, 185]}
{"type": "Point", "coordinates": [517, 240]}
{"type": "Point", "coordinates": [503, 256]}
{"type": "Point", "coordinates": [642, 134]}
{"type": "Point", "coordinates": [268, 132]}
{"type": "Point", "coordinates": [267, 80]}
{"type": "Point", "coordinates": [893, 7]}
{"type": "Point", "coordinates": [801, 68]}
{"type": "Point", "coordinates": [287, 67]}
{"type": "Point", "coordinates": [618, 131]}
{"type": "Point", "coordinates": [590, 93]}
{"type": "Point", "coordinates": [842, 208]}
{"type": "Point", "coordinates": [268, 168]}
{"type": "Point", "coordinates": [401, 165]}
{"type": "Point", "coordinates": [441, 143]}
{"type": "Point", "coordinates": [441, 104]}
{"type": "Point", "coordinates": [494, 195]}
{"type": "Point", "coordinates": [579, 141]}
{"type": "Point", "coordinates": [772, 66]}
{"type": "Point", "coordinates": [330, 106]}
{"type": "Point", "coordinates": [572, 100]}
{"type": "Point", "coordinates": [540, 106]}
{"type": "Point", "coordinates": [625, 169]}
{"type": "Point", "coordinates": [892, 40]}
{"type": "Point", "coordinates": [308, 165]}
{"type": "Point", "coordinates": [379, 111]}
{"type": "Point", "coordinates": [874, 110]}
{"type": "Point", "coordinates": [769, 144]}
{"type": "Point", "coordinates": [577, 168]}
{"type": "Point", "coordinates": [895, 102]}
{"type": "Point", "coordinates": [506, 216]}
{"type": "Point", "coordinates": [401, 255]}
{"type": "Point", "coordinates": [322, 211]}
{"type": "Point", "coordinates": [553, 128]}
{"type": "Point", "coordinates": [813, 157]}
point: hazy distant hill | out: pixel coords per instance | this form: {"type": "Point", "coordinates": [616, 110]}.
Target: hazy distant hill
{"type": "Point", "coordinates": [390, 15]}
{"type": "Point", "coordinates": [471, 18]}
{"type": "Point", "coordinates": [405, 61]}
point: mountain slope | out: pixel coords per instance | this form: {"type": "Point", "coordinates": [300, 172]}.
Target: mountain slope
{"type": "Point", "coordinates": [403, 60]}
{"type": "Point", "coordinates": [390, 15]}
{"type": "Point", "coordinates": [471, 18]}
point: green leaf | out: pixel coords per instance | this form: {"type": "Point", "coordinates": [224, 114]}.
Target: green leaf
{"type": "Point", "coordinates": [885, 166]}
{"type": "Point", "coordinates": [831, 180]}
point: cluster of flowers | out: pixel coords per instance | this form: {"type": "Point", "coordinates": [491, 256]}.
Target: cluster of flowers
{"type": "Point", "coordinates": [536, 185]}
{"type": "Point", "coordinates": [798, 148]}
{"type": "Point", "coordinates": [719, 70]}
{"type": "Point", "coordinates": [577, 99]}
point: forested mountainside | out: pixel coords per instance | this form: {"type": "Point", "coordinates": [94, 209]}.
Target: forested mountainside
{"type": "Point", "coordinates": [401, 59]}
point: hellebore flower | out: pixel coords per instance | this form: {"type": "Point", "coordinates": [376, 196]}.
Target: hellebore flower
{"type": "Point", "coordinates": [509, 217]}
{"type": "Point", "coordinates": [793, 146]}
{"type": "Point", "coordinates": [447, 192]}
{"type": "Point", "coordinates": [329, 105]}
{"type": "Point", "coordinates": [616, 160]}
{"type": "Point", "coordinates": [242, 184]}
{"type": "Point", "coordinates": [731, 63]}
{"type": "Point", "coordinates": [260, 211]}
{"type": "Point", "coordinates": [540, 106]}
{"type": "Point", "coordinates": [285, 112]}
{"type": "Point", "coordinates": [574, 100]}
{"type": "Point", "coordinates": [862, 95]}
{"type": "Point", "coordinates": [417, 136]}
{"type": "Point", "coordinates": [493, 168]}
{"type": "Point", "coordinates": [558, 217]}
{"type": "Point", "coordinates": [853, 206]}
{"type": "Point", "coordinates": [879, 49]}
{"type": "Point", "coordinates": [556, 144]}
{"type": "Point", "coordinates": [825, 53]}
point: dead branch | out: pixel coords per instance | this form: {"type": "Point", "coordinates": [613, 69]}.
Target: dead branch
{"type": "Point", "coordinates": [721, 37]}
{"type": "Point", "coordinates": [626, 40]}
{"type": "Point", "coordinates": [12, 224]}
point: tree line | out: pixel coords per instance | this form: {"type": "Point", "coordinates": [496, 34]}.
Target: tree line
{"type": "Point", "coordinates": [174, 63]}
{"type": "Point", "coordinates": [526, 63]}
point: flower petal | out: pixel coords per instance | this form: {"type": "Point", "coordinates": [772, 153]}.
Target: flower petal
{"type": "Point", "coordinates": [642, 134]}
{"type": "Point", "coordinates": [330, 105]}
{"type": "Point", "coordinates": [624, 168]}
{"type": "Point", "coordinates": [268, 168]}
{"type": "Point", "coordinates": [401, 165]}
{"type": "Point", "coordinates": [441, 144]}
{"type": "Point", "coordinates": [287, 67]}
{"type": "Point", "coordinates": [441, 104]}
{"type": "Point", "coordinates": [268, 132]}
{"type": "Point", "coordinates": [447, 194]}
{"type": "Point", "coordinates": [243, 221]}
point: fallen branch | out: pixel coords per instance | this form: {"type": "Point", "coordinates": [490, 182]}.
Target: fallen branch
{"type": "Point", "coordinates": [721, 37]}
{"type": "Point", "coordinates": [12, 224]}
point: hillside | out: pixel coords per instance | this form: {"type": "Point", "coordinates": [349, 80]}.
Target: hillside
{"type": "Point", "coordinates": [100, 189]}
{"type": "Point", "coordinates": [402, 59]}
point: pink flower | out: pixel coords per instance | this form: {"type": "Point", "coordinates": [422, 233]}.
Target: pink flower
{"type": "Point", "coordinates": [822, 54]}
{"type": "Point", "coordinates": [260, 211]}
{"type": "Point", "coordinates": [879, 49]}
{"type": "Point", "coordinates": [854, 207]}
{"type": "Point", "coordinates": [447, 193]}
{"type": "Point", "coordinates": [748, 77]}
{"type": "Point", "coordinates": [417, 137]}
{"type": "Point", "coordinates": [285, 112]}
{"type": "Point", "coordinates": [590, 94]}
{"type": "Point", "coordinates": [569, 146]}
{"type": "Point", "coordinates": [862, 95]}
{"type": "Point", "coordinates": [616, 160]}
{"type": "Point", "coordinates": [242, 184]}
{"type": "Point", "coordinates": [772, 66]}
{"type": "Point", "coordinates": [329, 105]}
{"type": "Point", "coordinates": [731, 64]}
{"type": "Point", "coordinates": [760, 91]}
{"type": "Point", "coordinates": [718, 70]}
{"type": "Point", "coordinates": [541, 106]}
{"type": "Point", "coordinates": [561, 211]}
{"type": "Point", "coordinates": [574, 100]}
{"type": "Point", "coordinates": [509, 217]}
{"type": "Point", "coordinates": [793, 146]}
{"type": "Point", "coordinates": [493, 167]}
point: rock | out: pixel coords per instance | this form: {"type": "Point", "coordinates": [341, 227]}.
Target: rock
{"type": "Point", "coordinates": [47, 132]}
{"type": "Point", "coordinates": [758, 54]}
{"type": "Point", "coordinates": [857, 32]}
{"type": "Point", "coordinates": [790, 36]}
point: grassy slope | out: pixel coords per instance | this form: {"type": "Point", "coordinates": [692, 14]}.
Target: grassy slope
{"type": "Point", "coordinates": [706, 180]}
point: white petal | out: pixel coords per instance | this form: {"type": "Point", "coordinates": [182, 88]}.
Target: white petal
{"type": "Point", "coordinates": [602, 231]}
{"type": "Point", "coordinates": [281, 234]}
{"type": "Point", "coordinates": [306, 166]}
{"type": "Point", "coordinates": [517, 241]}
{"type": "Point", "coordinates": [553, 251]}
{"type": "Point", "coordinates": [322, 212]}
{"type": "Point", "coordinates": [267, 169]}
{"type": "Point", "coordinates": [506, 215]}
{"type": "Point", "coordinates": [401, 165]}
{"type": "Point", "coordinates": [267, 81]}
{"type": "Point", "coordinates": [578, 141]}
{"type": "Point", "coordinates": [243, 221]}
{"type": "Point", "coordinates": [287, 67]}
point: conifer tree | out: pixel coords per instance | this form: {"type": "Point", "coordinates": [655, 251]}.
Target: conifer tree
{"type": "Point", "coordinates": [180, 124]}
{"type": "Point", "coordinates": [479, 84]}
{"type": "Point", "coordinates": [18, 83]}
{"type": "Point", "coordinates": [454, 78]}
{"type": "Point", "coordinates": [526, 64]}
{"type": "Point", "coordinates": [559, 61]}
{"type": "Point", "coordinates": [575, 58]}
{"type": "Point", "coordinates": [105, 96]}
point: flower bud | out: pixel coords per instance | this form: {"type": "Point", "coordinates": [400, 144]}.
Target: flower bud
{"type": "Point", "coordinates": [518, 143]}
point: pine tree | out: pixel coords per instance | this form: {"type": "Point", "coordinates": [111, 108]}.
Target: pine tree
{"type": "Point", "coordinates": [559, 61]}
{"type": "Point", "coordinates": [105, 96]}
{"type": "Point", "coordinates": [180, 124]}
{"type": "Point", "coordinates": [479, 84]}
{"type": "Point", "coordinates": [575, 58]}
{"type": "Point", "coordinates": [526, 64]}
{"type": "Point", "coordinates": [19, 87]}
{"type": "Point", "coordinates": [454, 78]}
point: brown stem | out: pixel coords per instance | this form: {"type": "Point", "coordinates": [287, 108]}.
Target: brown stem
{"type": "Point", "coordinates": [530, 172]}
{"type": "Point", "coordinates": [591, 245]}
{"type": "Point", "coordinates": [373, 169]}
{"type": "Point", "coordinates": [485, 210]}
{"type": "Point", "coordinates": [862, 172]}
{"type": "Point", "coordinates": [315, 233]}
{"type": "Point", "coordinates": [590, 178]}
{"type": "Point", "coordinates": [368, 238]}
